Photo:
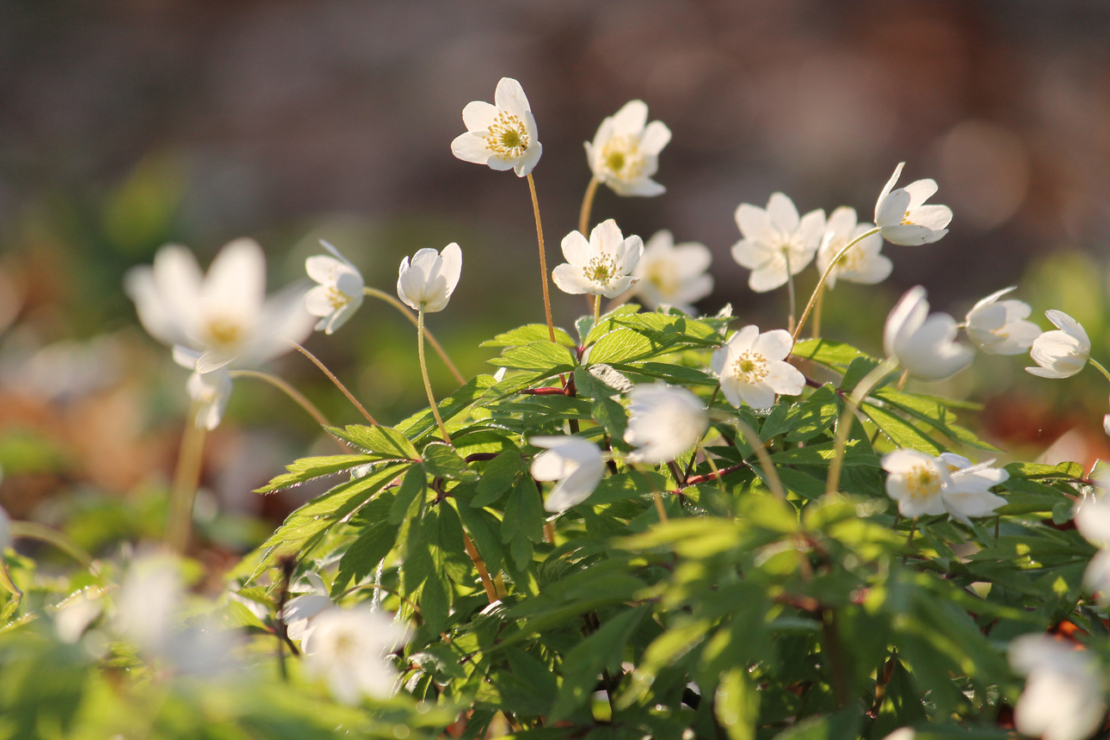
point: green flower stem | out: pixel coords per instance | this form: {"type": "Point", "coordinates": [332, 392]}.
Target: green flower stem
{"type": "Point", "coordinates": [331, 376]}
{"type": "Point", "coordinates": [597, 310]}
{"type": "Point", "coordinates": [382, 295]}
{"type": "Point", "coordinates": [1098, 366]}
{"type": "Point", "coordinates": [825, 276]}
{"type": "Point", "coordinates": [186, 480]}
{"type": "Point", "coordinates": [587, 207]}
{"type": "Point", "coordinates": [543, 257]}
{"type": "Point", "coordinates": [34, 531]}
{"type": "Point", "coordinates": [294, 394]}
{"type": "Point", "coordinates": [817, 308]}
{"type": "Point", "coordinates": [844, 426]}
{"type": "Point", "coordinates": [424, 373]}
{"type": "Point", "coordinates": [771, 478]}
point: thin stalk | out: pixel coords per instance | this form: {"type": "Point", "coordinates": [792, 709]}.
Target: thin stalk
{"type": "Point", "coordinates": [408, 314]}
{"type": "Point", "coordinates": [34, 531]}
{"type": "Point", "coordinates": [549, 533]}
{"type": "Point", "coordinates": [587, 207]}
{"type": "Point", "coordinates": [186, 480]}
{"type": "Point", "coordinates": [1098, 366]}
{"type": "Point", "coordinates": [771, 478]}
{"type": "Point", "coordinates": [844, 426]}
{"type": "Point", "coordinates": [902, 380]}
{"type": "Point", "coordinates": [424, 372]}
{"type": "Point", "coordinates": [837, 668]}
{"type": "Point", "coordinates": [338, 384]}
{"type": "Point", "coordinates": [487, 584]}
{"type": "Point", "coordinates": [909, 540]}
{"type": "Point", "coordinates": [660, 509]}
{"type": "Point", "coordinates": [543, 257]}
{"type": "Point", "coordinates": [789, 293]}
{"type": "Point", "coordinates": [294, 394]}
{"type": "Point", "coordinates": [597, 309]}
{"type": "Point", "coordinates": [825, 276]}
{"type": "Point", "coordinates": [817, 309]}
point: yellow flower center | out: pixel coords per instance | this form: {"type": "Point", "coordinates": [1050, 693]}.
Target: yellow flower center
{"type": "Point", "coordinates": [507, 137]}
{"type": "Point", "coordinates": [621, 158]}
{"type": "Point", "coordinates": [662, 276]}
{"type": "Point", "coordinates": [337, 298]}
{"type": "Point", "coordinates": [923, 482]}
{"type": "Point", "coordinates": [224, 331]}
{"type": "Point", "coordinates": [751, 367]}
{"type": "Point", "coordinates": [906, 220]}
{"type": "Point", "coordinates": [602, 270]}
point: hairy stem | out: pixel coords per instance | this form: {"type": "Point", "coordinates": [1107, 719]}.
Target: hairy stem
{"type": "Point", "coordinates": [1098, 366]}
{"type": "Point", "coordinates": [294, 394]}
{"type": "Point", "coordinates": [817, 312]}
{"type": "Point", "coordinates": [338, 384]}
{"type": "Point", "coordinates": [424, 373]}
{"type": "Point", "coordinates": [479, 564]}
{"type": "Point", "coordinates": [587, 207]}
{"type": "Point", "coordinates": [543, 257]}
{"type": "Point", "coordinates": [408, 314]}
{"type": "Point", "coordinates": [825, 276]}
{"type": "Point", "coordinates": [186, 480]}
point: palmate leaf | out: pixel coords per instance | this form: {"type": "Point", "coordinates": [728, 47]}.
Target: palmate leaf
{"type": "Point", "coordinates": [622, 345]}
{"type": "Point", "coordinates": [837, 355]}
{"type": "Point", "coordinates": [900, 431]}
{"type": "Point", "coordinates": [528, 334]}
{"type": "Point", "coordinates": [422, 422]}
{"type": "Point", "coordinates": [544, 357]}
{"type": "Point", "coordinates": [933, 412]}
{"type": "Point", "coordinates": [381, 443]}
{"type": "Point", "coordinates": [309, 468]}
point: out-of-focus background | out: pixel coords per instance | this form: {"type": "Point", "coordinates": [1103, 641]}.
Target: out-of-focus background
{"type": "Point", "coordinates": [126, 125]}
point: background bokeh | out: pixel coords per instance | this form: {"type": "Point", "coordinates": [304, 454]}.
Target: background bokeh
{"type": "Point", "coordinates": [126, 125]}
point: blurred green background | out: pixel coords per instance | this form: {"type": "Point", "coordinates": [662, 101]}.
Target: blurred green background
{"type": "Point", "coordinates": [127, 125]}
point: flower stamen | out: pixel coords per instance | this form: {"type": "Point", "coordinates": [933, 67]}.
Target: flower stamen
{"type": "Point", "coordinates": [750, 367]}
{"type": "Point", "coordinates": [507, 137]}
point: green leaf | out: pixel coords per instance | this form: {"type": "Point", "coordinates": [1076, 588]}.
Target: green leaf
{"type": "Point", "coordinates": [374, 541]}
{"type": "Point", "coordinates": [498, 477]}
{"type": "Point", "coordinates": [933, 412]}
{"type": "Point", "coordinates": [674, 374]}
{"type": "Point", "coordinates": [581, 666]}
{"type": "Point", "coordinates": [1038, 470]}
{"type": "Point", "coordinates": [857, 371]}
{"type": "Point", "coordinates": [308, 468]}
{"type": "Point", "coordinates": [544, 356]}
{"type": "Point", "coordinates": [826, 352]}
{"type": "Point", "coordinates": [381, 443]}
{"type": "Point", "coordinates": [822, 454]}
{"type": "Point", "coordinates": [441, 461]}
{"type": "Point", "coordinates": [409, 496]}
{"type": "Point", "coordinates": [609, 322]}
{"type": "Point", "coordinates": [423, 422]}
{"type": "Point", "coordinates": [621, 345]}
{"type": "Point", "coordinates": [523, 520]}
{"type": "Point", "coordinates": [485, 531]}
{"type": "Point", "coordinates": [737, 704]}
{"type": "Point", "coordinates": [526, 335]}
{"type": "Point", "coordinates": [610, 415]}
{"type": "Point", "coordinates": [816, 414]}
{"type": "Point", "coordinates": [901, 432]}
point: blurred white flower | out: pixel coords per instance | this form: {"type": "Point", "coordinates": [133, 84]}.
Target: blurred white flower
{"type": "Point", "coordinates": [967, 493]}
{"type": "Point", "coordinates": [752, 369]}
{"type": "Point", "coordinates": [73, 616]}
{"type": "Point", "coordinates": [224, 315]}
{"type": "Point", "coordinates": [999, 328]}
{"type": "Point", "coordinates": [1062, 353]}
{"type": "Point", "coordinates": [1092, 519]}
{"type": "Point", "coordinates": [664, 422]}
{"type": "Point", "coordinates": [575, 462]}
{"type": "Point", "coordinates": [921, 343]}
{"type": "Point", "coordinates": [915, 481]}
{"type": "Point", "coordinates": [300, 611]}
{"type": "Point", "coordinates": [5, 525]}
{"type": "Point", "coordinates": [673, 275]}
{"type": "Point", "coordinates": [902, 216]}
{"type": "Point", "coordinates": [625, 151]}
{"type": "Point", "coordinates": [1106, 423]}
{"type": "Point", "coordinates": [339, 293]}
{"type": "Point", "coordinates": [502, 136]}
{"type": "Point", "coordinates": [1063, 697]}
{"type": "Point", "coordinates": [600, 266]}
{"type": "Point", "coordinates": [349, 648]}
{"type": "Point", "coordinates": [860, 264]}
{"type": "Point", "coordinates": [773, 237]}
{"type": "Point", "coordinates": [426, 284]}
{"type": "Point", "coordinates": [209, 391]}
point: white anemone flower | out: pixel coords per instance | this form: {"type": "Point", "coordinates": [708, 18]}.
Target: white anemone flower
{"type": "Point", "coordinates": [210, 392]}
{"type": "Point", "coordinates": [625, 151]}
{"type": "Point", "coordinates": [902, 216]}
{"type": "Point", "coordinates": [1092, 519]}
{"type": "Point", "coordinates": [923, 343]}
{"type": "Point", "coordinates": [860, 264]}
{"type": "Point", "coordinates": [673, 275]}
{"type": "Point", "coordinates": [752, 367]}
{"type": "Point", "coordinates": [600, 266]}
{"type": "Point", "coordinates": [915, 480]}
{"type": "Point", "coordinates": [299, 612]}
{"type": "Point", "coordinates": [426, 283]}
{"type": "Point", "coordinates": [1062, 353]}
{"type": "Point", "coordinates": [575, 462]}
{"type": "Point", "coordinates": [502, 136]}
{"type": "Point", "coordinates": [774, 238]}
{"type": "Point", "coordinates": [999, 327]}
{"type": "Point", "coordinates": [349, 649]}
{"type": "Point", "coordinates": [664, 422]}
{"type": "Point", "coordinates": [1063, 696]}
{"type": "Point", "coordinates": [225, 315]}
{"type": "Point", "coordinates": [339, 293]}
{"type": "Point", "coordinates": [967, 493]}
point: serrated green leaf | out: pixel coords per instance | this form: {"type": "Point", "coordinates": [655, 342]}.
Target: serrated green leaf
{"type": "Point", "coordinates": [900, 431]}
{"type": "Point", "coordinates": [373, 543]}
{"type": "Point", "coordinates": [816, 414]}
{"type": "Point", "coordinates": [544, 357]}
{"type": "Point", "coordinates": [381, 443]}
{"type": "Point", "coordinates": [621, 345]}
{"type": "Point", "coordinates": [609, 322]}
{"type": "Point", "coordinates": [410, 495]}
{"type": "Point", "coordinates": [308, 468]}
{"type": "Point", "coordinates": [673, 374]}
{"type": "Point", "coordinates": [611, 416]}
{"type": "Point", "coordinates": [498, 477]}
{"type": "Point", "coordinates": [826, 352]}
{"type": "Point", "coordinates": [441, 461]}
{"type": "Point", "coordinates": [526, 335]}
{"type": "Point", "coordinates": [423, 421]}
{"type": "Point", "coordinates": [822, 454]}
{"type": "Point", "coordinates": [934, 413]}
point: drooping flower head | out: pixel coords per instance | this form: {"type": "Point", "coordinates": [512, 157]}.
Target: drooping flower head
{"type": "Point", "coordinates": [300, 611]}
{"type": "Point", "coordinates": [860, 264]}
{"type": "Point", "coordinates": [502, 136]}
{"type": "Point", "coordinates": [967, 493]}
{"type": "Point", "coordinates": [1063, 697]}
{"type": "Point", "coordinates": [339, 293]}
{"type": "Point", "coordinates": [349, 649]}
{"type": "Point", "coordinates": [673, 275]}
{"type": "Point", "coordinates": [999, 327]}
{"type": "Point", "coordinates": [211, 393]}
{"type": "Point", "coordinates": [1062, 353]}
{"type": "Point", "coordinates": [902, 216]}
{"type": "Point", "coordinates": [752, 369]}
{"type": "Point", "coordinates": [575, 462]}
{"type": "Point", "coordinates": [625, 151]}
{"type": "Point", "coordinates": [223, 316]}
{"type": "Point", "coordinates": [915, 481]}
{"type": "Point", "coordinates": [600, 266]}
{"type": "Point", "coordinates": [664, 422]}
{"type": "Point", "coordinates": [774, 238]}
{"type": "Point", "coordinates": [428, 281]}
{"type": "Point", "coordinates": [923, 343]}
